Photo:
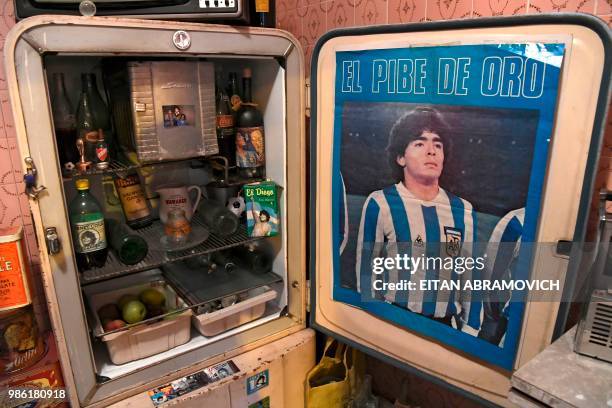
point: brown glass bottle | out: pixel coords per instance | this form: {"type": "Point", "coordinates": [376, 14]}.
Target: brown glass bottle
{"type": "Point", "coordinates": [226, 133]}
{"type": "Point", "coordinates": [250, 149]}
{"type": "Point", "coordinates": [133, 201]}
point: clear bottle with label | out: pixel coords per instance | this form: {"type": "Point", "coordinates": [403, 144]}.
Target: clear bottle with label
{"type": "Point", "coordinates": [226, 133]}
{"type": "Point", "coordinates": [88, 232]}
{"type": "Point", "coordinates": [102, 156]}
{"type": "Point", "coordinates": [64, 121]}
{"type": "Point", "coordinates": [133, 201]}
{"type": "Point", "coordinates": [92, 115]}
{"type": "Point", "coordinates": [250, 148]}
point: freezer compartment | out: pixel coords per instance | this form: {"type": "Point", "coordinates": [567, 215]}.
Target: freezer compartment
{"type": "Point", "coordinates": [163, 110]}
{"type": "Point", "coordinates": [246, 309]}
{"type": "Point", "coordinates": [144, 339]}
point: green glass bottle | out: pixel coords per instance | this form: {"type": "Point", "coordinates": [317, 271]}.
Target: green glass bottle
{"type": "Point", "coordinates": [88, 232]}
{"type": "Point", "coordinates": [129, 247]}
{"type": "Point", "coordinates": [92, 116]}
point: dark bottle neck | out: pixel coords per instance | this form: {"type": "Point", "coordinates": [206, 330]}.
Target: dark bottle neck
{"type": "Point", "coordinates": [88, 83]}
{"type": "Point", "coordinates": [246, 85]}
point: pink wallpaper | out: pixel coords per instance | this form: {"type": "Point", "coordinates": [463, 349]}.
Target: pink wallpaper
{"type": "Point", "coordinates": [309, 19]}
{"type": "Point", "coordinates": [14, 207]}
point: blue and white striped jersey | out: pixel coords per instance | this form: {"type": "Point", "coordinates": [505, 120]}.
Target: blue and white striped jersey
{"type": "Point", "coordinates": [503, 247]}
{"type": "Point", "coordinates": [394, 221]}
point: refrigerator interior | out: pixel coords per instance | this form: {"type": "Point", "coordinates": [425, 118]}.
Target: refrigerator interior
{"type": "Point", "coordinates": [269, 92]}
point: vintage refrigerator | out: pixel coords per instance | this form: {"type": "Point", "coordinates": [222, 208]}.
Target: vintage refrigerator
{"type": "Point", "coordinates": [353, 71]}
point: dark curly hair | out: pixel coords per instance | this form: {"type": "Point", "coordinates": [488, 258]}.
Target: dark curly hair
{"type": "Point", "coordinates": [264, 212]}
{"type": "Point", "coordinates": [409, 127]}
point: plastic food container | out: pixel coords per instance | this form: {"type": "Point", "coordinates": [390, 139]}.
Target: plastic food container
{"type": "Point", "coordinates": [146, 339]}
{"type": "Point", "coordinates": [214, 323]}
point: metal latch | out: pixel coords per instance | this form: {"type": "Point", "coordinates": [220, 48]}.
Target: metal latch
{"type": "Point", "coordinates": [29, 179]}
{"type": "Point", "coordinates": [52, 239]}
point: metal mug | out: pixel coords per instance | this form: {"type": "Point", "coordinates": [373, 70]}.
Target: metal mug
{"type": "Point", "coordinates": [171, 197]}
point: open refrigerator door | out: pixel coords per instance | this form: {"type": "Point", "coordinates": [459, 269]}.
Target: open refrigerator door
{"type": "Point", "coordinates": [446, 157]}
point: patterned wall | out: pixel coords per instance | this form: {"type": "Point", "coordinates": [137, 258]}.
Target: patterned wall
{"type": "Point", "coordinates": [14, 207]}
{"type": "Point", "coordinates": [309, 19]}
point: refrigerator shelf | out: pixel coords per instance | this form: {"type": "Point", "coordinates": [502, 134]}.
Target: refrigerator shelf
{"type": "Point", "coordinates": [214, 286]}
{"type": "Point", "coordinates": [157, 257]}
{"type": "Point", "coordinates": [118, 165]}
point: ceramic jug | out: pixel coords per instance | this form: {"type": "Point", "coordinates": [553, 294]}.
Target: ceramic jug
{"type": "Point", "coordinates": [177, 197]}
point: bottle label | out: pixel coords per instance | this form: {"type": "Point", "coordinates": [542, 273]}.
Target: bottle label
{"type": "Point", "coordinates": [262, 6]}
{"type": "Point", "coordinates": [225, 121]}
{"type": "Point", "coordinates": [250, 151]}
{"type": "Point", "coordinates": [132, 197]}
{"type": "Point", "coordinates": [235, 101]}
{"type": "Point", "coordinates": [13, 282]}
{"type": "Point", "coordinates": [90, 235]}
{"type": "Point", "coordinates": [102, 153]}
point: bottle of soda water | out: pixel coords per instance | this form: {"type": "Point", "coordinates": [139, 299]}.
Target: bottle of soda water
{"type": "Point", "coordinates": [88, 233]}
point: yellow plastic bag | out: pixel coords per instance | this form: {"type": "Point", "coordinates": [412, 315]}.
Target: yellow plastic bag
{"type": "Point", "coordinates": [328, 384]}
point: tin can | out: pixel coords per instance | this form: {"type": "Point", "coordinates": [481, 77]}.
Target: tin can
{"type": "Point", "coordinates": [20, 343]}
{"type": "Point", "coordinates": [14, 284]}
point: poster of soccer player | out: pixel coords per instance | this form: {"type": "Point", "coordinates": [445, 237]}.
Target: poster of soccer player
{"type": "Point", "coordinates": [439, 160]}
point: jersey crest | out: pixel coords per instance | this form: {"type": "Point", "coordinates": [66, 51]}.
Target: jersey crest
{"type": "Point", "coordinates": [454, 241]}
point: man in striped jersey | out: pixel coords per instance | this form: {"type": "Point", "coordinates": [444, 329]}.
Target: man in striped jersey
{"type": "Point", "coordinates": [418, 218]}
{"type": "Point", "coordinates": [502, 252]}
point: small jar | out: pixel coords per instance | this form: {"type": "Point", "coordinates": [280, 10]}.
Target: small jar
{"type": "Point", "coordinates": [177, 227]}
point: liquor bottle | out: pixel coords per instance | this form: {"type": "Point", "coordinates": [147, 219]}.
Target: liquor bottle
{"type": "Point", "coordinates": [263, 14]}
{"type": "Point", "coordinates": [218, 218]}
{"type": "Point", "coordinates": [64, 121]}
{"type": "Point", "coordinates": [256, 257]}
{"type": "Point", "coordinates": [234, 94]}
{"type": "Point", "coordinates": [226, 133]}
{"type": "Point", "coordinates": [250, 150]}
{"type": "Point", "coordinates": [92, 115]}
{"type": "Point", "coordinates": [88, 232]}
{"type": "Point", "coordinates": [102, 159]}
{"type": "Point", "coordinates": [129, 247]}
{"type": "Point", "coordinates": [133, 201]}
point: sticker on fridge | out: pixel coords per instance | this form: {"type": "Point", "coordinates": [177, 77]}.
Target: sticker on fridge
{"type": "Point", "coordinates": [438, 165]}
{"type": "Point", "coordinates": [258, 381]}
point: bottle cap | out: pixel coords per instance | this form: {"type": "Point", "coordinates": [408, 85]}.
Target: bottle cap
{"type": "Point", "coordinates": [82, 184]}
{"type": "Point", "coordinates": [246, 73]}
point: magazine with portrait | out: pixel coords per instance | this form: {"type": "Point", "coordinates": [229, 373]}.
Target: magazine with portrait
{"type": "Point", "coordinates": [439, 159]}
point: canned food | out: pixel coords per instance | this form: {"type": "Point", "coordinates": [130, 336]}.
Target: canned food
{"type": "Point", "coordinates": [14, 288]}
{"type": "Point", "coordinates": [20, 344]}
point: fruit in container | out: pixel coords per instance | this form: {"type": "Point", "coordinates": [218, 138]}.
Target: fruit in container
{"type": "Point", "coordinates": [114, 324]}
{"type": "Point", "coordinates": [154, 311]}
{"type": "Point", "coordinates": [109, 312]}
{"type": "Point", "coordinates": [134, 311]}
{"type": "Point", "coordinates": [153, 298]}
{"type": "Point", "coordinates": [125, 299]}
